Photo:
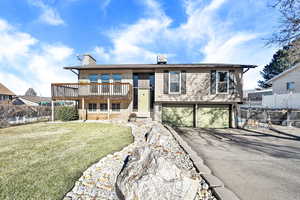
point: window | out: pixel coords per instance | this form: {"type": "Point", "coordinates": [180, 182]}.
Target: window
{"type": "Point", "coordinates": [105, 79]}
{"type": "Point", "coordinates": [92, 107]}
{"type": "Point", "coordinates": [117, 78]}
{"type": "Point", "coordinates": [103, 107]}
{"type": "Point", "coordinates": [290, 86]}
{"type": "Point", "coordinates": [115, 107]}
{"type": "Point", "coordinates": [222, 82]}
{"type": "Point", "coordinates": [93, 79]}
{"type": "Point", "coordinates": [174, 83]}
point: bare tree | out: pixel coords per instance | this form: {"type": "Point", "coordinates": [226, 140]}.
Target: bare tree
{"type": "Point", "coordinates": [289, 27]}
{"type": "Point", "coordinates": [288, 32]}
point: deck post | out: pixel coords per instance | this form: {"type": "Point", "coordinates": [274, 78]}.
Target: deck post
{"type": "Point", "coordinates": [82, 107]}
{"type": "Point", "coordinates": [52, 111]}
{"type": "Point", "coordinates": [108, 108]}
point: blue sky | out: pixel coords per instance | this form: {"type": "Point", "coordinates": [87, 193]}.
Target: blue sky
{"type": "Point", "coordinates": [39, 37]}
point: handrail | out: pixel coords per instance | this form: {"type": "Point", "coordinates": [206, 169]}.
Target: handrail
{"type": "Point", "coordinates": [77, 90]}
{"type": "Point", "coordinates": [115, 83]}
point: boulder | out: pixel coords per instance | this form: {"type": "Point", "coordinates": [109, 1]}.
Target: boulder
{"type": "Point", "coordinates": [149, 174]}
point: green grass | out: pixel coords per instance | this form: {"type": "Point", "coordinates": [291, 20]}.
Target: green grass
{"type": "Point", "coordinates": [43, 161]}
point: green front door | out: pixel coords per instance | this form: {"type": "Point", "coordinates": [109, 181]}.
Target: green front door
{"type": "Point", "coordinates": [214, 116]}
{"type": "Point", "coordinates": [178, 115]}
{"type": "Point", "coordinates": [144, 102]}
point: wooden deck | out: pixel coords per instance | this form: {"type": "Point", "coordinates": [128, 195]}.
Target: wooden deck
{"type": "Point", "coordinates": [77, 91]}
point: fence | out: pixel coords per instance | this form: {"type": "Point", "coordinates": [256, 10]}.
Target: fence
{"type": "Point", "coordinates": [17, 114]}
{"type": "Point", "coordinates": [262, 117]}
{"type": "Point", "coordinates": [282, 101]}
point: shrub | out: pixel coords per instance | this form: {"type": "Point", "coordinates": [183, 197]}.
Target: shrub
{"type": "Point", "coordinates": [66, 113]}
{"type": "Point", "coordinates": [4, 123]}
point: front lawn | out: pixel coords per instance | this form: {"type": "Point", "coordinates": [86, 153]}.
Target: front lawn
{"type": "Point", "coordinates": [43, 161]}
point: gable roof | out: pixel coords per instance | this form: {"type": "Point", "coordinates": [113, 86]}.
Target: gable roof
{"type": "Point", "coordinates": [163, 66]}
{"type": "Point", "coordinates": [36, 99]}
{"type": "Point", "coordinates": [4, 90]}
{"type": "Point", "coordinates": [284, 73]}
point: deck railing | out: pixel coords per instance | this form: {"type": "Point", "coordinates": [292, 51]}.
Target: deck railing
{"type": "Point", "coordinates": [78, 90]}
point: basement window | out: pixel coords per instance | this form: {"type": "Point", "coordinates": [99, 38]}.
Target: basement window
{"type": "Point", "coordinates": [116, 107]}
{"type": "Point", "coordinates": [92, 107]}
{"type": "Point", "coordinates": [103, 107]}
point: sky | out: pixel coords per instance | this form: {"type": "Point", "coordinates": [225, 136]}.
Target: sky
{"type": "Point", "coordinates": [39, 37]}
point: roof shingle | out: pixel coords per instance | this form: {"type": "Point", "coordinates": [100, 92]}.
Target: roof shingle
{"type": "Point", "coordinates": [4, 90]}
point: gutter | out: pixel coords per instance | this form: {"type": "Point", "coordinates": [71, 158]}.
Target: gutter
{"type": "Point", "coordinates": [254, 66]}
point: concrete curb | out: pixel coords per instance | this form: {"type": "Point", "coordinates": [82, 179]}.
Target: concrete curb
{"type": "Point", "coordinates": [216, 185]}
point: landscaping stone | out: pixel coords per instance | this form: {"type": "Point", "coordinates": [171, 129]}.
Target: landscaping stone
{"type": "Point", "coordinates": [153, 167]}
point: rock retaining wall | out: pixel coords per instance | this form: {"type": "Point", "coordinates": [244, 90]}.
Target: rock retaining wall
{"type": "Point", "coordinates": [153, 167]}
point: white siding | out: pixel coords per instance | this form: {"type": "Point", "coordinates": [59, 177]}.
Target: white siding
{"type": "Point", "coordinates": [282, 101]}
{"type": "Point", "coordinates": [279, 84]}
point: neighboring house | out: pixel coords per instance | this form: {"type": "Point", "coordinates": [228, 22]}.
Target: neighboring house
{"type": "Point", "coordinates": [286, 89]}
{"type": "Point", "coordinates": [32, 101]}
{"type": "Point", "coordinates": [253, 98]}
{"type": "Point", "coordinates": [287, 81]}
{"type": "Point", "coordinates": [5, 93]}
{"type": "Point", "coordinates": [202, 95]}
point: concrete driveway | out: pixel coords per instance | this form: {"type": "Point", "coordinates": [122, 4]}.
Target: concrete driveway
{"type": "Point", "coordinates": [256, 164]}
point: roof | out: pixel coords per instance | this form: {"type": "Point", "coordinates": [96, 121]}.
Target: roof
{"type": "Point", "coordinates": [284, 73]}
{"type": "Point", "coordinates": [163, 66]}
{"type": "Point", "coordinates": [36, 99]}
{"type": "Point", "coordinates": [4, 90]}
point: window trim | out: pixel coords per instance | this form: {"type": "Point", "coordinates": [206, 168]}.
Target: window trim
{"type": "Point", "coordinates": [100, 111]}
{"type": "Point", "coordinates": [114, 111]}
{"type": "Point", "coordinates": [217, 81]}
{"type": "Point", "coordinates": [95, 75]}
{"type": "Point", "coordinates": [92, 111]}
{"type": "Point", "coordinates": [179, 92]}
{"type": "Point", "coordinates": [290, 82]}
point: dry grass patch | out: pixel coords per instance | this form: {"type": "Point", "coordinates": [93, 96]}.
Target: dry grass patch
{"type": "Point", "coordinates": [42, 161]}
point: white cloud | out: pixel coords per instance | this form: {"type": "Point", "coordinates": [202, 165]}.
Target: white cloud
{"type": "Point", "coordinates": [129, 42]}
{"type": "Point", "coordinates": [14, 83]}
{"type": "Point", "coordinates": [102, 54]}
{"type": "Point", "coordinates": [49, 15]}
{"type": "Point", "coordinates": [204, 35]}
{"type": "Point", "coordinates": [13, 44]}
{"type": "Point", "coordinates": [225, 50]}
{"type": "Point", "coordinates": [26, 62]}
{"type": "Point", "coordinates": [105, 3]}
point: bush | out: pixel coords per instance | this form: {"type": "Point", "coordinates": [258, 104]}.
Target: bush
{"type": "Point", "coordinates": [4, 123]}
{"type": "Point", "coordinates": [66, 113]}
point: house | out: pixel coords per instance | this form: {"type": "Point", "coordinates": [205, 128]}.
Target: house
{"type": "Point", "coordinates": [32, 101]}
{"type": "Point", "coordinates": [286, 90]}
{"type": "Point", "coordinates": [201, 95]}
{"type": "Point", "coordinates": [287, 81]}
{"type": "Point", "coordinates": [5, 93]}
{"type": "Point", "coordinates": [253, 98]}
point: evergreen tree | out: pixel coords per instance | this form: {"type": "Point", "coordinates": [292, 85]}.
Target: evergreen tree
{"type": "Point", "coordinates": [278, 64]}
{"type": "Point", "coordinates": [30, 92]}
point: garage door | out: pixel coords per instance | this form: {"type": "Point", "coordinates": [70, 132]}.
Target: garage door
{"type": "Point", "coordinates": [178, 115]}
{"type": "Point", "coordinates": [213, 116]}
